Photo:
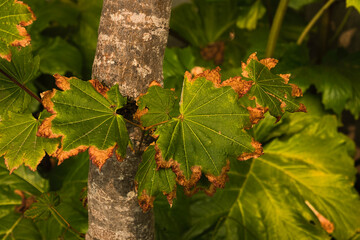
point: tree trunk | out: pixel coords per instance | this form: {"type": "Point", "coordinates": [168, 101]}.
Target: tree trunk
{"type": "Point", "coordinates": [131, 43]}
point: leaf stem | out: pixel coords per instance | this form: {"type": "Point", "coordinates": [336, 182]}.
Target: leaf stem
{"type": "Point", "coordinates": [64, 222]}
{"type": "Point", "coordinates": [28, 91]}
{"type": "Point", "coordinates": [313, 21]}
{"type": "Point", "coordinates": [12, 227]}
{"type": "Point", "coordinates": [135, 124]}
{"type": "Point", "coordinates": [275, 28]}
{"type": "Point", "coordinates": [149, 127]}
{"type": "Point", "coordinates": [341, 26]}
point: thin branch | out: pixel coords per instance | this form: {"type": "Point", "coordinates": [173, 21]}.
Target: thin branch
{"type": "Point", "coordinates": [313, 21]}
{"type": "Point", "coordinates": [28, 91]}
{"type": "Point", "coordinates": [275, 27]}
{"type": "Point", "coordinates": [66, 223]}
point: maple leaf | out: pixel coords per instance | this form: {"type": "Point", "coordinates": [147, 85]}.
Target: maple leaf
{"type": "Point", "coordinates": [85, 117]}
{"type": "Point", "coordinates": [151, 181]}
{"type": "Point", "coordinates": [19, 143]}
{"type": "Point", "coordinates": [208, 131]}
{"type": "Point", "coordinates": [15, 16]}
{"type": "Point", "coordinates": [156, 106]}
{"type": "Point", "coordinates": [291, 176]}
{"type": "Point", "coordinates": [16, 195]}
{"type": "Point", "coordinates": [24, 68]}
{"type": "Point", "coordinates": [270, 90]}
{"type": "Point", "coordinates": [43, 206]}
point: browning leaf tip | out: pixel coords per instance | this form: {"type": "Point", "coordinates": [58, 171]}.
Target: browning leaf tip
{"type": "Point", "coordinates": [100, 88]}
{"type": "Point", "coordinates": [62, 82]}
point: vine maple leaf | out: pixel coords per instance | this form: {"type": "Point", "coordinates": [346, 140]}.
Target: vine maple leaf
{"type": "Point", "coordinates": [295, 178]}
{"type": "Point", "coordinates": [19, 143]}
{"type": "Point", "coordinates": [85, 117]}
{"type": "Point", "coordinates": [208, 130]}
{"type": "Point", "coordinates": [151, 181]}
{"type": "Point", "coordinates": [24, 68]}
{"type": "Point", "coordinates": [269, 90]}
{"type": "Point", "coordinates": [15, 16]}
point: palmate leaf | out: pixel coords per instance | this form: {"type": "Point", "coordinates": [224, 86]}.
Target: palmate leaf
{"type": "Point", "coordinates": [151, 181]}
{"type": "Point", "coordinates": [85, 117]}
{"type": "Point", "coordinates": [14, 15]}
{"type": "Point", "coordinates": [272, 197]}
{"type": "Point", "coordinates": [24, 68]}
{"type": "Point", "coordinates": [19, 143]}
{"type": "Point", "coordinates": [270, 90]}
{"type": "Point", "coordinates": [42, 208]}
{"type": "Point", "coordinates": [12, 205]}
{"type": "Point", "coordinates": [156, 106]}
{"type": "Point", "coordinates": [208, 131]}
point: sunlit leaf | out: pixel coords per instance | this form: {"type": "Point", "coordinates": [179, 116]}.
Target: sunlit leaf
{"type": "Point", "coordinates": [249, 19]}
{"type": "Point", "coordinates": [23, 68]}
{"type": "Point", "coordinates": [208, 131]}
{"type": "Point", "coordinates": [14, 15]}
{"type": "Point", "coordinates": [85, 117]}
{"type": "Point", "coordinates": [266, 198]}
{"type": "Point", "coordinates": [270, 90]}
{"type": "Point", "coordinates": [19, 143]}
{"type": "Point", "coordinates": [353, 3]}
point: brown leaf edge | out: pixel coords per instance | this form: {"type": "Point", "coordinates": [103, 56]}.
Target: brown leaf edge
{"type": "Point", "coordinates": [271, 63]}
{"type": "Point", "coordinates": [189, 185]}
{"type": "Point", "coordinates": [240, 86]}
{"type": "Point", "coordinates": [257, 153]}
{"type": "Point", "coordinates": [146, 201]}
{"type": "Point", "coordinates": [22, 32]}
{"type": "Point", "coordinates": [97, 156]}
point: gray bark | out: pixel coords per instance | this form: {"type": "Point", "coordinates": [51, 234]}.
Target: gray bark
{"type": "Point", "coordinates": [131, 43]}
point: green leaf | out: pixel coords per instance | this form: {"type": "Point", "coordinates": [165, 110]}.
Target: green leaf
{"type": "Point", "coordinates": [249, 19]}
{"type": "Point", "coordinates": [86, 119]}
{"type": "Point", "coordinates": [13, 225]}
{"type": "Point", "coordinates": [354, 104]}
{"type": "Point", "coordinates": [53, 14]}
{"type": "Point", "coordinates": [208, 131]}
{"type": "Point", "coordinates": [42, 208]}
{"type": "Point", "coordinates": [203, 22]}
{"type": "Point", "coordinates": [24, 68]}
{"type": "Point", "coordinates": [156, 106]}
{"type": "Point", "coordinates": [268, 197]}
{"type": "Point", "coordinates": [152, 182]}
{"type": "Point", "coordinates": [15, 16]}
{"type": "Point", "coordinates": [48, 207]}
{"type": "Point", "coordinates": [353, 3]}
{"type": "Point", "coordinates": [59, 56]}
{"type": "Point", "coordinates": [338, 91]}
{"type": "Point", "coordinates": [19, 143]}
{"type": "Point", "coordinates": [86, 36]}
{"type": "Point", "coordinates": [270, 90]}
